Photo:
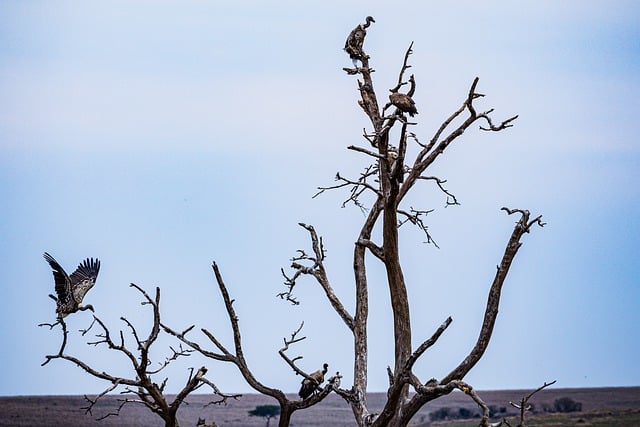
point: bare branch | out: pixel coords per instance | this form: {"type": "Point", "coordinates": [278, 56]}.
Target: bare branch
{"type": "Point", "coordinates": [405, 67]}
{"type": "Point", "coordinates": [318, 271]}
{"type": "Point", "coordinates": [180, 352]}
{"type": "Point", "coordinates": [93, 401]}
{"type": "Point", "coordinates": [468, 390]}
{"type": "Point", "coordinates": [451, 199]}
{"type": "Point", "coordinates": [491, 311]}
{"type": "Point", "coordinates": [357, 187]}
{"type": "Point", "coordinates": [505, 124]}
{"type": "Point", "coordinates": [437, 145]}
{"type": "Point", "coordinates": [224, 397]}
{"type": "Point", "coordinates": [415, 218]}
{"type": "Point", "coordinates": [376, 250]}
{"type": "Point", "coordinates": [291, 362]}
{"type": "Point", "coordinates": [64, 340]}
{"type": "Point", "coordinates": [233, 318]}
{"type": "Point", "coordinates": [523, 406]}
{"type": "Point", "coordinates": [427, 344]}
{"type": "Point", "coordinates": [365, 151]}
{"type": "Point", "coordinates": [524, 221]}
{"type": "Point", "coordinates": [542, 387]}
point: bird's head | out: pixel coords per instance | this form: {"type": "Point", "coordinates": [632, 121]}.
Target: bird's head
{"type": "Point", "coordinates": [369, 20]}
{"type": "Point", "coordinates": [325, 367]}
{"type": "Point", "coordinates": [88, 307]}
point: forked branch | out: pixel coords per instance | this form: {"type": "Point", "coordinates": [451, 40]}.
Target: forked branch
{"type": "Point", "coordinates": [524, 406]}
{"type": "Point", "coordinates": [314, 266]}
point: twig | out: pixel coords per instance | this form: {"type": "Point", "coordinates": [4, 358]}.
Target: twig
{"type": "Point", "coordinates": [451, 198]}
{"type": "Point", "coordinates": [318, 271]}
{"type": "Point", "coordinates": [415, 218]}
{"type": "Point", "coordinates": [357, 187]}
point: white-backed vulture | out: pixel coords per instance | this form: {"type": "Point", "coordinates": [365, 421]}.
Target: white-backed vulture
{"type": "Point", "coordinates": [353, 45]}
{"type": "Point", "coordinates": [309, 386]}
{"type": "Point", "coordinates": [403, 102]}
{"type": "Point", "coordinates": [72, 289]}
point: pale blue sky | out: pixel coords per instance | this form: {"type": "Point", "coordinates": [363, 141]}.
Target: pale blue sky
{"type": "Point", "coordinates": [159, 136]}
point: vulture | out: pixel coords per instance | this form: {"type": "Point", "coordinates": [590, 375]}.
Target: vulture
{"type": "Point", "coordinates": [353, 45]}
{"type": "Point", "coordinates": [309, 386]}
{"type": "Point", "coordinates": [392, 156]}
{"type": "Point", "coordinates": [72, 289]}
{"type": "Point", "coordinates": [403, 102]}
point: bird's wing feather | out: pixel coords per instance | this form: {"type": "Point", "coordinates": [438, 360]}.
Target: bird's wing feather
{"type": "Point", "coordinates": [63, 283]}
{"type": "Point", "coordinates": [84, 278]}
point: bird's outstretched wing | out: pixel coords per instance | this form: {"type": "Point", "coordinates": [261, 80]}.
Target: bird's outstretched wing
{"type": "Point", "coordinates": [84, 278]}
{"type": "Point", "coordinates": [60, 277]}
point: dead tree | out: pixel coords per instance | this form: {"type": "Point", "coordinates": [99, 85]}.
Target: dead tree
{"type": "Point", "coordinates": [524, 407]}
{"type": "Point", "coordinates": [236, 357]}
{"type": "Point", "coordinates": [141, 385]}
{"type": "Point", "coordinates": [394, 171]}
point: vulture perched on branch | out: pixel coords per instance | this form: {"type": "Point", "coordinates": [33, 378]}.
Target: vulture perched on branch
{"type": "Point", "coordinates": [72, 289]}
{"type": "Point", "coordinates": [404, 103]}
{"type": "Point", "coordinates": [309, 386]}
{"type": "Point", "coordinates": [353, 45]}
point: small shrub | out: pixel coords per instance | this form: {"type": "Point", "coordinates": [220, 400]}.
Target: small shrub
{"type": "Point", "coordinates": [495, 410]}
{"type": "Point", "coordinates": [566, 404]}
{"type": "Point", "coordinates": [445, 413]}
{"type": "Point", "coordinates": [464, 413]}
{"type": "Point", "coordinates": [442, 414]}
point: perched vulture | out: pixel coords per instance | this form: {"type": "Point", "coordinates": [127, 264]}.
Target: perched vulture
{"type": "Point", "coordinates": [353, 45]}
{"type": "Point", "coordinates": [403, 102]}
{"type": "Point", "coordinates": [309, 386]}
{"type": "Point", "coordinates": [72, 289]}
{"type": "Point", "coordinates": [392, 156]}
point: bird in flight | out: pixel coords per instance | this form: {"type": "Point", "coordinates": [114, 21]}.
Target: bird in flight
{"type": "Point", "coordinates": [72, 289]}
{"type": "Point", "coordinates": [309, 386]}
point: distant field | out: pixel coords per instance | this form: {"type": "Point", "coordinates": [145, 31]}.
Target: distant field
{"type": "Point", "coordinates": [606, 418]}
{"type": "Point", "coordinates": [600, 407]}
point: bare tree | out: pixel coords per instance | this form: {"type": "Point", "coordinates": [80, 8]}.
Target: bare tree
{"type": "Point", "coordinates": [141, 385]}
{"type": "Point", "coordinates": [236, 357]}
{"type": "Point", "coordinates": [393, 173]}
{"type": "Point", "coordinates": [524, 407]}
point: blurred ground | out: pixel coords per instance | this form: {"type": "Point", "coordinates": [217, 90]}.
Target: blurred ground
{"type": "Point", "coordinates": [597, 405]}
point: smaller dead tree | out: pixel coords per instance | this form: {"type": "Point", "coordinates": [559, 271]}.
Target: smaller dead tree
{"type": "Point", "coordinates": [236, 357]}
{"type": "Point", "coordinates": [524, 407]}
{"type": "Point", "coordinates": [141, 385]}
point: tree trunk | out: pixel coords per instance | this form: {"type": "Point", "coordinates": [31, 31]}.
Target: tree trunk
{"type": "Point", "coordinates": [359, 406]}
{"type": "Point", "coordinates": [395, 279]}
{"type": "Point", "coordinates": [171, 421]}
{"type": "Point", "coordinates": [285, 416]}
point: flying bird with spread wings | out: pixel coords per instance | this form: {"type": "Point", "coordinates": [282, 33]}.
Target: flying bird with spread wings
{"type": "Point", "coordinates": [72, 289]}
{"type": "Point", "coordinates": [310, 385]}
